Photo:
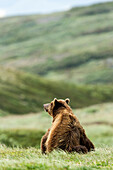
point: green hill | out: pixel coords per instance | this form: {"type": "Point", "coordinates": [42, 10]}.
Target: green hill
{"type": "Point", "coordinates": [22, 93]}
{"type": "Point", "coordinates": [75, 45]}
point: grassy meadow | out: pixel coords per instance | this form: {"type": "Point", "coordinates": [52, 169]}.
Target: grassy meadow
{"type": "Point", "coordinates": [21, 136]}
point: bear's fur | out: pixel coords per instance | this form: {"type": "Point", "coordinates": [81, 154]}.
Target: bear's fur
{"type": "Point", "coordinates": [66, 133]}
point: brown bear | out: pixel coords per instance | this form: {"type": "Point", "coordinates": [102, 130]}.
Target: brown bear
{"type": "Point", "coordinates": [66, 133]}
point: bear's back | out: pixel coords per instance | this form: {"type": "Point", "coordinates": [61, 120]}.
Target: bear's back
{"type": "Point", "coordinates": [65, 131]}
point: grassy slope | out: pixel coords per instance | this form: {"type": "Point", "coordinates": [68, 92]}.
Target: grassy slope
{"type": "Point", "coordinates": [100, 112]}
{"type": "Point", "coordinates": [22, 93]}
{"type": "Point", "coordinates": [57, 44]}
{"type": "Point", "coordinates": [31, 158]}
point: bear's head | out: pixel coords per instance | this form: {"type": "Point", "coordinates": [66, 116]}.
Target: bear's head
{"type": "Point", "coordinates": [56, 105]}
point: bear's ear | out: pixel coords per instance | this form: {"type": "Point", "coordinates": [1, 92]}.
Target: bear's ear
{"type": "Point", "coordinates": [67, 100]}
{"type": "Point", "coordinates": [55, 101]}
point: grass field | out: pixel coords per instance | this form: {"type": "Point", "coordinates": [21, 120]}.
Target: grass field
{"type": "Point", "coordinates": [31, 157]}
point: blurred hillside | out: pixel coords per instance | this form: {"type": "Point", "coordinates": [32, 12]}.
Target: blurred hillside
{"type": "Point", "coordinates": [22, 93]}
{"type": "Point", "coordinates": [75, 45]}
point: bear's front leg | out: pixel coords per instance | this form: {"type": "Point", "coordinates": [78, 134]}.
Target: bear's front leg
{"type": "Point", "coordinates": [52, 142]}
{"type": "Point", "coordinates": [50, 145]}
{"type": "Point", "coordinates": [43, 141]}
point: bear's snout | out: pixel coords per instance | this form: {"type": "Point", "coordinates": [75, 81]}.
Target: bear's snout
{"type": "Point", "coordinates": [46, 106]}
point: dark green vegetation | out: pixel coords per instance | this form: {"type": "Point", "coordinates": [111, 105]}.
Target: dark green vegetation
{"type": "Point", "coordinates": [26, 131]}
{"type": "Point", "coordinates": [21, 137]}
{"type": "Point", "coordinates": [75, 45]}
{"type": "Point", "coordinates": [22, 93]}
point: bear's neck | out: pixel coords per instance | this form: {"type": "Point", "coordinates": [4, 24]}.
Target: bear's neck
{"type": "Point", "coordinates": [60, 110]}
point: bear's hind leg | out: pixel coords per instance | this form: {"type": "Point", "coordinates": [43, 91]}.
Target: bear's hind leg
{"type": "Point", "coordinates": [80, 149]}
{"type": "Point", "coordinates": [87, 143]}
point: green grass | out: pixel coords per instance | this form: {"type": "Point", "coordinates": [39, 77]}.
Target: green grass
{"type": "Point", "coordinates": [28, 128]}
{"type": "Point", "coordinates": [31, 158]}
{"type": "Point", "coordinates": [61, 43]}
